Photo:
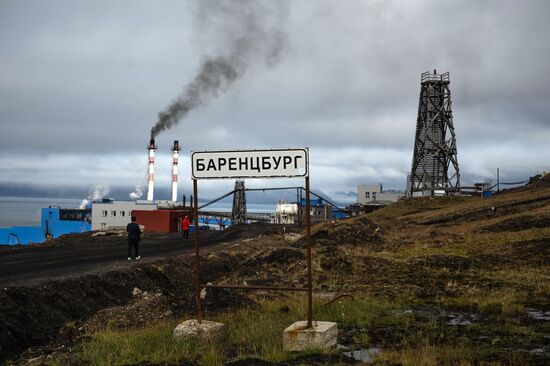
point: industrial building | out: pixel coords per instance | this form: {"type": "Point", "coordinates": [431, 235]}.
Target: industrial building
{"type": "Point", "coordinates": [294, 213]}
{"type": "Point", "coordinates": [54, 222]}
{"type": "Point", "coordinates": [372, 197]}
{"type": "Point", "coordinates": [319, 210]}
{"type": "Point", "coordinates": [161, 221]}
{"type": "Point", "coordinates": [374, 193]}
{"type": "Point", "coordinates": [110, 214]}
{"type": "Point", "coordinates": [358, 209]}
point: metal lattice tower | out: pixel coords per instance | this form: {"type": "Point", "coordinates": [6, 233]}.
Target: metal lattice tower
{"type": "Point", "coordinates": [434, 167]}
{"type": "Point", "coordinates": [238, 214]}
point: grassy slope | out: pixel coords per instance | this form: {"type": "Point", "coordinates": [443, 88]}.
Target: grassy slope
{"type": "Point", "coordinates": [460, 254]}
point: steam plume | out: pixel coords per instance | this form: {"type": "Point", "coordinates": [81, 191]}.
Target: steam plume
{"type": "Point", "coordinates": [251, 32]}
{"type": "Point", "coordinates": [99, 192]}
{"type": "Point", "coordinates": [137, 193]}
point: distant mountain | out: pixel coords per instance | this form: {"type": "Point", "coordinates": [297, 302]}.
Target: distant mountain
{"type": "Point", "coordinates": [28, 190]}
{"type": "Point", "coordinates": [47, 191]}
{"type": "Point", "coordinates": [163, 193]}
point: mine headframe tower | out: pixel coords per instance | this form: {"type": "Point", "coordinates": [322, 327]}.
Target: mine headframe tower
{"type": "Point", "coordinates": [238, 213]}
{"type": "Point", "coordinates": [434, 169]}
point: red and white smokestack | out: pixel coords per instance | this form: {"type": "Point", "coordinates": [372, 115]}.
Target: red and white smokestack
{"type": "Point", "coordinates": [175, 156]}
{"type": "Point", "coordinates": [151, 170]}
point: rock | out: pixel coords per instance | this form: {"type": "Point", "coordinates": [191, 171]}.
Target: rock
{"type": "Point", "coordinates": [137, 292]}
{"type": "Point", "coordinates": [67, 333]}
{"type": "Point", "coordinates": [203, 291]}
{"type": "Point", "coordinates": [36, 360]}
{"type": "Point", "coordinates": [292, 237]}
{"type": "Point", "coordinates": [192, 328]}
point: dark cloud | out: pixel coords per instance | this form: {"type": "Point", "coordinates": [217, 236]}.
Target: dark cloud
{"type": "Point", "coordinates": [252, 32]}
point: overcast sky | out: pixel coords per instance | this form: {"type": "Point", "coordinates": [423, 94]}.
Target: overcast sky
{"type": "Point", "coordinates": [82, 83]}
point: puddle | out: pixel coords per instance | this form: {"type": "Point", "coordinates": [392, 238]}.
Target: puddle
{"type": "Point", "coordinates": [538, 314]}
{"type": "Point", "coordinates": [386, 336]}
{"type": "Point", "coordinates": [365, 355]}
{"type": "Point", "coordinates": [539, 350]}
{"type": "Point", "coordinates": [449, 317]}
{"type": "Point", "coordinates": [457, 318]}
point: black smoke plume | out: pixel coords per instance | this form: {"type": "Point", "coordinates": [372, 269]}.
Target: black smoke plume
{"type": "Point", "coordinates": [250, 32]}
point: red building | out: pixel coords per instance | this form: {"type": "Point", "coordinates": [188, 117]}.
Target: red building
{"type": "Point", "coordinates": [161, 221]}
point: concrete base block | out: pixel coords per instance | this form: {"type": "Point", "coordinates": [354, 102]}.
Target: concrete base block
{"type": "Point", "coordinates": [192, 328]}
{"type": "Point", "coordinates": [298, 337]}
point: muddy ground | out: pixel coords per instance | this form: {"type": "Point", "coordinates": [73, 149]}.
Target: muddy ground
{"type": "Point", "coordinates": [465, 274]}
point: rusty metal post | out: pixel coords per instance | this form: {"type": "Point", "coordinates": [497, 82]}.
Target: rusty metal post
{"type": "Point", "coordinates": [298, 220]}
{"type": "Point", "coordinates": [197, 254]}
{"type": "Point", "coordinates": [308, 241]}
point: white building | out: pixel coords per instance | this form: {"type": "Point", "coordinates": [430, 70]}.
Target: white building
{"type": "Point", "coordinates": [375, 193]}
{"type": "Point", "coordinates": [109, 214]}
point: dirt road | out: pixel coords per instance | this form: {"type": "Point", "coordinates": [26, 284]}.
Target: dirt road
{"type": "Point", "coordinates": [77, 255]}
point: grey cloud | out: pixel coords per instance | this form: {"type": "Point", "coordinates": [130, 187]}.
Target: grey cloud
{"type": "Point", "coordinates": [88, 79]}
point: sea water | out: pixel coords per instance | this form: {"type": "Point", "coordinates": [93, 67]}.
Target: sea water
{"type": "Point", "coordinates": [25, 211]}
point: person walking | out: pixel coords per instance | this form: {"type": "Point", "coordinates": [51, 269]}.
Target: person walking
{"type": "Point", "coordinates": [134, 236]}
{"type": "Point", "coordinates": [185, 223]}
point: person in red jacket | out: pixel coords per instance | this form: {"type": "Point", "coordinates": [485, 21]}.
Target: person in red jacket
{"type": "Point", "coordinates": [185, 227]}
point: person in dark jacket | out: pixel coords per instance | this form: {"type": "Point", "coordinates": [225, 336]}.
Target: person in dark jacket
{"type": "Point", "coordinates": [185, 227]}
{"type": "Point", "coordinates": [134, 236]}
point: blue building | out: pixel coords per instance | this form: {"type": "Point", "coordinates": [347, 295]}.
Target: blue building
{"type": "Point", "coordinates": [21, 235]}
{"type": "Point", "coordinates": [54, 222]}
{"type": "Point", "coordinates": [322, 210]}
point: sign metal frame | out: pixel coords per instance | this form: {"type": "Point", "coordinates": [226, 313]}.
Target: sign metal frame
{"type": "Point", "coordinates": [308, 232]}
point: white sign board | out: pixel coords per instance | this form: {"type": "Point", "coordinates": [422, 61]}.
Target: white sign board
{"type": "Point", "coordinates": [250, 163]}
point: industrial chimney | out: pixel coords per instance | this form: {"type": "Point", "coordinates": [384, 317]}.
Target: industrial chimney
{"type": "Point", "coordinates": [151, 170]}
{"type": "Point", "coordinates": [175, 154]}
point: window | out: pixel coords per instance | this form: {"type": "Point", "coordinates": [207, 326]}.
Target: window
{"type": "Point", "coordinates": [103, 225]}
{"type": "Point", "coordinates": [122, 213]}
{"type": "Point", "coordinates": [73, 215]}
{"type": "Point", "coordinates": [129, 213]}
{"type": "Point", "coordinates": [104, 213]}
{"type": "Point", "coordinates": [113, 213]}
{"type": "Point", "coordinates": [367, 194]}
{"type": "Point", "coordinates": [374, 196]}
